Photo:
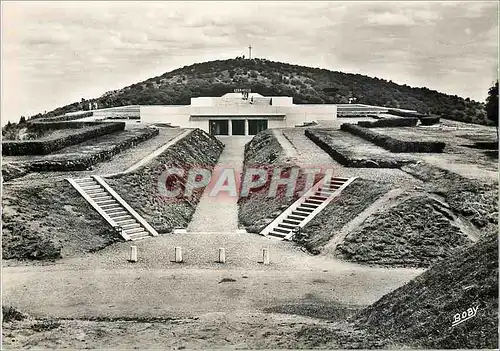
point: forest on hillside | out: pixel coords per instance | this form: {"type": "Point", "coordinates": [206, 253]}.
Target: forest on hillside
{"type": "Point", "coordinates": [307, 86]}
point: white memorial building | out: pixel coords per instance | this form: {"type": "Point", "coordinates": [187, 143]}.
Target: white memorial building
{"type": "Point", "coordinates": [238, 113]}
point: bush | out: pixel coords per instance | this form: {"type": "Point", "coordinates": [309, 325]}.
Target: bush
{"type": "Point", "coordinates": [389, 123]}
{"type": "Point", "coordinates": [392, 144]}
{"type": "Point", "coordinates": [70, 162]}
{"type": "Point", "coordinates": [405, 113]}
{"type": "Point", "coordinates": [66, 117]}
{"type": "Point", "coordinates": [429, 121]}
{"type": "Point", "coordinates": [10, 314]}
{"type": "Point", "coordinates": [345, 156]}
{"type": "Point", "coordinates": [49, 145]}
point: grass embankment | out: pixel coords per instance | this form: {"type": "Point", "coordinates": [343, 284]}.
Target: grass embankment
{"type": "Point", "coordinates": [258, 209]}
{"type": "Point", "coordinates": [415, 232]}
{"type": "Point", "coordinates": [421, 312]}
{"type": "Point", "coordinates": [348, 205]}
{"type": "Point", "coordinates": [48, 219]}
{"type": "Point", "coordinates": [141, 188]}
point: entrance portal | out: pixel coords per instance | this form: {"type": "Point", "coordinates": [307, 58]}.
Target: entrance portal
{"type": "Point", "coordinates": [256, 126]}
{"type": "Point", "coordinates": [238, 126]}
{"type": "Point", "coordinates": [219, 127]}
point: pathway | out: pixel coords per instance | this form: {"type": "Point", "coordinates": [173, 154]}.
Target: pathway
{"type": "Point", "coordinates": [220, 213]}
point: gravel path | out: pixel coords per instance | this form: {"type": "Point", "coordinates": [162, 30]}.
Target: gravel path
{"type": "Point", "coordinates": [220, 213]}
{"type": "Point", "coordinates": [105, 284]}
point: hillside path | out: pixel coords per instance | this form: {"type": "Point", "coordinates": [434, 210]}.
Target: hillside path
{"type": "Point", "coordinates": [220, 213]}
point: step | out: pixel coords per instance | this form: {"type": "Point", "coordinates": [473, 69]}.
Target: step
{"type": "Point", "coordinates": [124, 220]}
{"type": "Point", "coordinates": [133, 230]}
{"type": "Point", "coordinates": [300, 213]}
{"type": "Point", "coordinates": [305, 204]}
{"type": "Point", "coordinates": [277, 235]}
{"type": "Point", "coordinates": [281, 230]}
{"type": "Point", "coordinates": [99, 194]}
{"type": "Point", "coordinates": [341, 178]}
{"type": "Point", "coordinates": [325, 190]}
{"type": "Point", "coordinates": [107, 197]}
{"type": "Point", "coordinates": [80, 180]}
{"type": "Point", "coordinates": [113, 210]}
{"type": "Point", "coordinates": [109, 205]}
{"type": "Point", "coordinates": [291, 221]}
{"type": "Point", "coordinates": [286, 226]}
{"type": "Point", "coordinates": [313, 201]}
{"type": "Point", "coordinates": [117, 214]}
{"type": "Point", "coordinates": [317, 197]}
{"type": "Point", "coordinates": [90, 187]}
{"type": "Point", "coordinates": [139, 235]}
{"type": "Point", "coordinates": [102, 202]}
{"type": "Point", "coordinates": [130, 226]}
{"type": "Point", "coordinates": [94, 191]}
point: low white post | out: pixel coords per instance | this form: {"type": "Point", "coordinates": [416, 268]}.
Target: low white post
{"type": "Point", "coordinates": [222, 255]}
{"type": "Point", "coordinates": [265, 256]}
{"type": "Point", "coordinates": [178, 254]}
{"type": "Point", "coordinates": [133, 254]}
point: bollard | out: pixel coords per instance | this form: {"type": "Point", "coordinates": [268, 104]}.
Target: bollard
{"type": "Point", "coordinates": [222, 255]}
{"type": "Point", "coordinates": [133, 254]}
{"type": "Point", "coordinates": [178, 254]}
{"type": "Point", "coordinates": [265, 256]}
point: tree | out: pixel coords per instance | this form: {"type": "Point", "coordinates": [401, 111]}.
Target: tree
{"type": "Point", "coordinates": [492, 105]}
{"type": "Point", "coordinates": [22, 120]}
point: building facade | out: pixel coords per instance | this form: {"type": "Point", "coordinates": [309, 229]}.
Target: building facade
{"type": "Point", "coordinates": [238, 113]}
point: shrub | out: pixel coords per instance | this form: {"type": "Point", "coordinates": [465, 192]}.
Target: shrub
{"type": "Point", "coordinates": [49, 145]}
{"type": "Point", "coordinates": [66, 117]}
{"type": "Point", "coordinates": [428, 121]}
{"type": "Point", "coordinates": [70, 162]}
{"type": "Point", "coordinates": [10, 314]}
{"type": "Point", "coordinates": [392, 144]}
{"type": "Point", "coordinates": [405, 113]}
{"type": "Point", "coordinates": [389, 123]}
{"type": "Point", "coordinates": [345, 156]}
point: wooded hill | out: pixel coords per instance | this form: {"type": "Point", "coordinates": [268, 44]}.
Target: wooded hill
{"type": "Point", "coordinates": [307, 86]}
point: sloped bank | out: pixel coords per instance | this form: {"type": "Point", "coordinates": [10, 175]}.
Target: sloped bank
{"type": "Point", "coordinates": [258, 209]}
{"type": "Point", "coordinates": [354, 199]}
{"type": "Point", "coordinates": [417, 231]}
{"type": "Point", "coordinates": [142, 191]}
{"type": "Point", "coordinates": [421, 312]}
{"type": "Point", "coordinates": [47, 219]}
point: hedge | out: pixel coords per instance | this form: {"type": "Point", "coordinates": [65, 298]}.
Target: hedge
{"type": "Point", "coordinates": [49, 145]}
{"type": "Point", "coordinates": [55, 125]}
{"type": "Point", "coordinates": [390, 122]}
{"type": "Point", "coordinates": [405, 113]}
{"type": "Point", "coordinates": [392, 144]}
{"type": "Point", "coordinates": [82, 162]}
{"type": "Point", "coordinates": [344, 157]}
{"type": "Point", "coordinates": [66, 117]}
{"type": "Point", "coordinates": [428, 121]}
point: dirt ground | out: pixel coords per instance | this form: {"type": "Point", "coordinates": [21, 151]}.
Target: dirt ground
{"type": "Point", "coordinates": [298, 301]}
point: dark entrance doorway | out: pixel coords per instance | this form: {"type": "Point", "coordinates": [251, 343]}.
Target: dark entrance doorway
{"type": "Point", "coordinates": [238, 126]}
{"type": "Point", "coordinates": [256, 126]}
{"type": "Point", "coordinates": [219, 127]}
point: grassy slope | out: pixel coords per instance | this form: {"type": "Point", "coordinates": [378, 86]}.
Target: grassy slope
{"type": "Point", "coordinates": [415, 232]}
{"type": "Point", "coordinates": [48, 219]}
{"type": "Point", "coordinates": [421, 312]}
{"type": "Point", "coordinates": [475, 200]}
{"type": "Point", "coordinates": [353, 200]}
{"type": "Point", "coordinates": [140, 188]}
{"type": "Point", "coordinates": [305, 84]}
{"type": "Point", "coordinates": [257, 210]}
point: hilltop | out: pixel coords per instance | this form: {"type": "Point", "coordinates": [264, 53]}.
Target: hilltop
{"type": "Point", "coordinates": [307, 86]}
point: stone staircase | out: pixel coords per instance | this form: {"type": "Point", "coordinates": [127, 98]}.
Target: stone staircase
{"type": "Point", "coordinates": [113, 208]}
{"type": "Point", "coordinates": [306, 208]}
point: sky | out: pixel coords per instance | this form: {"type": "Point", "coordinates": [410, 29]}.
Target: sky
{"type": "Point", "coordinates": [55, 53]}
